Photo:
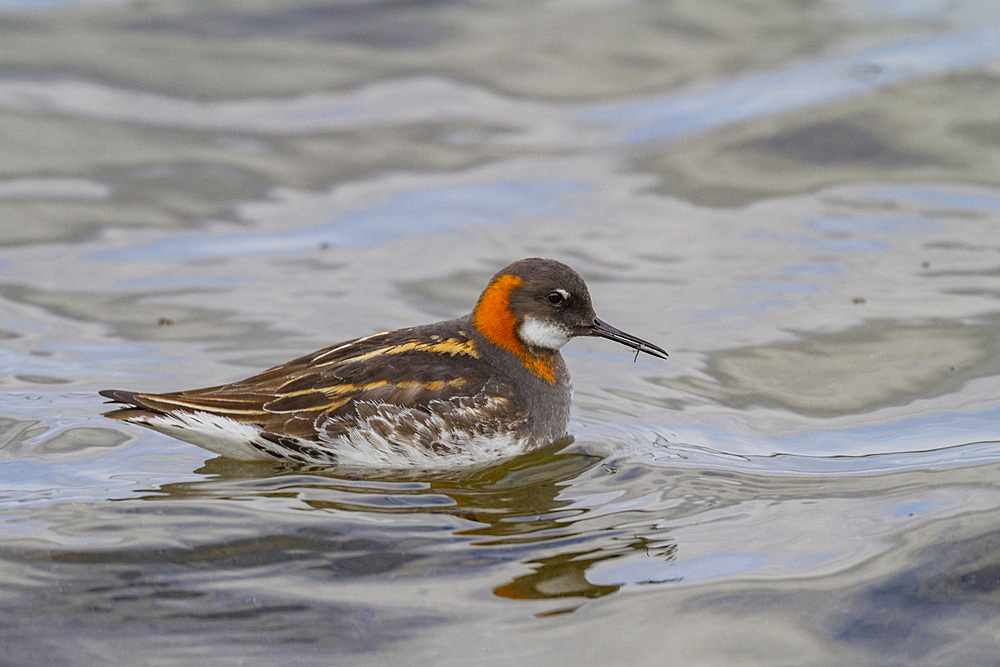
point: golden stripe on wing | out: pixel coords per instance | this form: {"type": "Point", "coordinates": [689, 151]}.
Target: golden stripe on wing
{"type": "Point", "coordinates": [341, 392]}
{"type": "Point", "coordinates": [347, 392]}
{"type": "Point", "coordinates": [348, 388]}
{"type": "Point", "coordinates": [346, 345]}
{"type": "Point", "coordinates": [199, 406]}
{"type": "Point", "coordinates": [312, 408]}
{"type": "Point", "coordinates": [451, 347]}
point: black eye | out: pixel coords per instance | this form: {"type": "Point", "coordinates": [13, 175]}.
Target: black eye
{"type": "Point", "coordinates": [555, 298]}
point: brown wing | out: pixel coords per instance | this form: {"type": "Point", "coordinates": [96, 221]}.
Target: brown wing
{"type": "Point", "coordinates": [408, 367]}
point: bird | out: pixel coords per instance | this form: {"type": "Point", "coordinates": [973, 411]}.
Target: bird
{"type": "Point", "coordinates": [463, 392]}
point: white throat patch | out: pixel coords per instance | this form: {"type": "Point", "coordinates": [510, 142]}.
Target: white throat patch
{"type": "Point", "coordinates": [543, 334]}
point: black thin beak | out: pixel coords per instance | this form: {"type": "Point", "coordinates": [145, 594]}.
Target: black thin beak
{"type": "Point", "coordinates": [605, 330]}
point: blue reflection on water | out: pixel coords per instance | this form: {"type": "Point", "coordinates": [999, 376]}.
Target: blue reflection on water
{"type": "Point", "coordinates": [937, 438]}
{"type": "Point", "coordinates": [810, 84]}
{"type": "Point", "coordinates": [867, 225]}
{"type": "Point", "coordinates": [419, 212]}
{"type": "Point", "coordinates": [633, 571]}
{"type": "Point", "coordinates": [938, 197]}
{"type": "Point", "coordinates": [918, 507]}
{"type": "Point", "coordinates": [17, 6]}
{"type": "Point", "coordinates": [812, 269]}
{"type": "Point", "coordinates": [741, 310]}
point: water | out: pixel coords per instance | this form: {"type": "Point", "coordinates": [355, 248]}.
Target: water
{"type": "Point", "coordinates": [800, 201]}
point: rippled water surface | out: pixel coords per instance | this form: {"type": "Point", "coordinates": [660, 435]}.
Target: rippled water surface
{"type": "Point", "coordinates": [799, 200]}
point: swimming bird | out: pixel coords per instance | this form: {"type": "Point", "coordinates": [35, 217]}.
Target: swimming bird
{"type": "Point", "coordinates": [461, 392]}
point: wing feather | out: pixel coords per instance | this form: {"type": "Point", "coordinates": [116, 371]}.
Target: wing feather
{"type": "Point", "coordinates": [410, 368]}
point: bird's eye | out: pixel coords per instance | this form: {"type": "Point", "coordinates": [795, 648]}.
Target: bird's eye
{"type": "Point", "coordinates": [555, 298]}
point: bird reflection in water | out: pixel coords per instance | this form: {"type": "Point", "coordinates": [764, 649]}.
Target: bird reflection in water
{"type": "Point", "coordinates": [509, 512]}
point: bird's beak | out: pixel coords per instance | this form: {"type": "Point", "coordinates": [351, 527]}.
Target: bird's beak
{"type": "Point", "coordinates": [605, 330]}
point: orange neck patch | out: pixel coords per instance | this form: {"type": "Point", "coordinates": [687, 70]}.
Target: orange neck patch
{"type": "Point", "coordinates": [494, 320]}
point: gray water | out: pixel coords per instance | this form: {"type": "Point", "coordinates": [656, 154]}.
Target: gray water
{"type": "Point", "coordinates": [799, 200]}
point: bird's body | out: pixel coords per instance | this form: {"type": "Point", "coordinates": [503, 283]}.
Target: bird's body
{"type": "Point", "coordinates": [460, 392]}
